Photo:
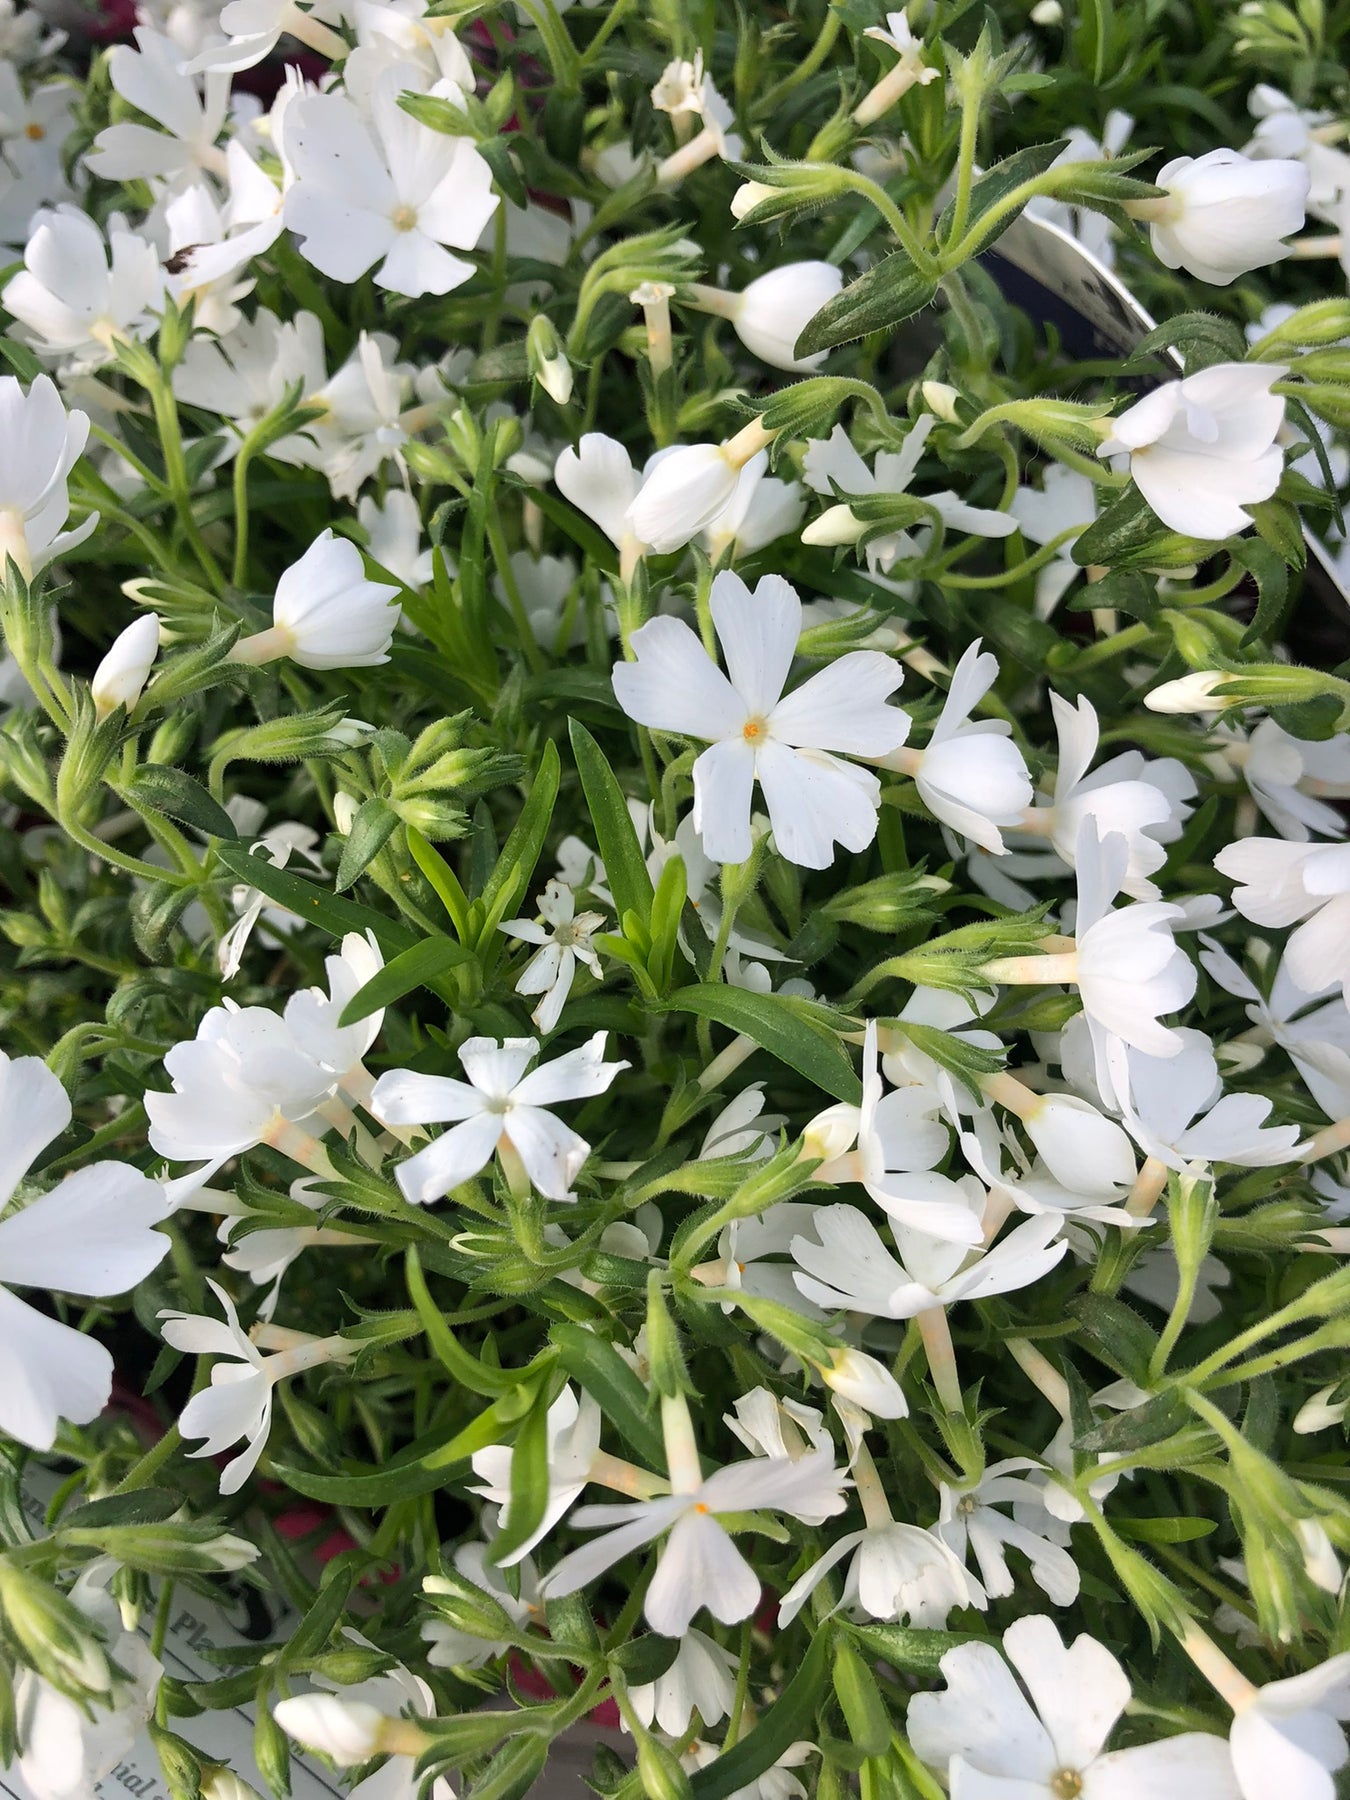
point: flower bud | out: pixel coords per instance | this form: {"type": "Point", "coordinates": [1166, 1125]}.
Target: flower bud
{"type": "Point", "coordinates": [1322, 1411]}
{"type": "Point", "coordinates": [51, 1634]}
{"type": "Point", "coordinates": [345, 809]}
{"type": "Point", "coordinates": [347, 1731]}
{"type": "Point", "coordinates": [866, 1382]}
{"type": "Point", "coordinates": [832, 1133]}
{"type": "Point", "coordinates": [771, 314]}
{"type": "Point", "coordinates": [1195, 693]}
{"type": "Point", "coordinates": [122, 674]}
{"type": "Point", "coordinates": [1224, 213]}
{"type": "Point", "coordinates": [684, 492]}
{"type": "Point", "coordinates": [548, 365]}
{"type": "Point", "coordinates": [940, 398]}
{"type": "Point", "coordinates": [223, 1784]}
{"type": "Point", "coordinates": [1323, 322]}
{"type": "Point", "coordinates": [836, 525]}
{"type": "Point", "coordinates": [469, 1609]}
{"type": "Point", "coordinates": [326, 614]}
{"type": "Point", "coordinates": [751, 194]}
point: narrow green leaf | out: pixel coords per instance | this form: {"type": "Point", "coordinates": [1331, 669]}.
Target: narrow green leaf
{"type": "Point", "coordinates": [410, 969]}
{"type": "Point", "coordinates": [597, 1367]}
{"type": "Point", "coordinates": [529, 1481]}
{"type": "Point", "coordinates": [374, 825]}
{"type": "Point", "coordinates": [510, 877]}
{"type": "Point", "coordinates": [308, 900]}
{"type": "Point", "coordinates": [795, 1031]}
{"type": "Point", "coordinates": [912, 1651]}
{"type": "Point", "coordinates": [443, 878]}
{"type": "Point", "coordinates": [478, 1377]}
{"type": "Point", "coordinates": [1183, 1530]}
{"type": "Point", "coordinates": [790, 1718]}
{"type": "Point", "coordinates": [994, 186]}
{"type": "Point", "coordinates": [616, 838]}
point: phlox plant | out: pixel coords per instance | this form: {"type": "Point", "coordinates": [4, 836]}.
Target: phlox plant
{"type": "Point", "coordinates": [674, 898]}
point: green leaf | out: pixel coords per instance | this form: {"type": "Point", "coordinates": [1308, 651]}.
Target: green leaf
{"type": "Point", "coordinates": [1136, 1429]}
{"type": "Point", "coordinates": [891, 291]}
{"type": "Point", "coordinates": [173, 792]}
{"type": "Point", "coordinates": [1117, 1334]}
{"type": "Point", "coordinates": [645, 1659]}
{"type": "Point", "coordinates": [994, 187]}
{"type": "Point", "coordinates": [410, 969]}
{"type": "Point", "coordinates": [597, 1367]}
{"type": "Point", "coordinates": [592, 542]}
{"type": "Point", "coordinates": [1122, 590]}
{"type": "Point", "coordinates": [795, 1031]}
{"type": "Point", "coordinates": [307, 900]}
{"type": "Point", "coordinates": [374, 825]}
{"type": "Point", "coordinates": [401, 1478]}
{"type": "Point", "coordinates": [1165, 1531]}
{"type": "Point", "coordinates": [1128, 533]}
{"type": "Point", "coordinates": [511, 875]}
{"type": "Point", "coordinates": [616, 838]}
{"type": "Point", "coordinates": [478, 1377]}
{"type": "Point", "coordinates": [1267, 568]}
{"type": "Point", "coordinates": [529, 1481]}
{"type": "Point", "coordinates": [20, 359]}
{"type": "Point", "coordinates": [487, 1428]}
{"type": "Point", "coordinates": [442, 877]}
{"type": "Point", "coordinates": [912, 1651]}
{"type": "Point", "coordinates": [859, 1697]}
{"type": "Point", "coordinates": [790, 1718]}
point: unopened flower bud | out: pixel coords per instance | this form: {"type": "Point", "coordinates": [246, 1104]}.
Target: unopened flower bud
{"type": "Point", "coordinates": [1198, 692]}
{"type": "Point", "coordinates": [224, 1784]}
{"type": "Point", "coordinates": [548, 365]}
{"type": "Point", "coordinates": [1047, 12]}
{"type": "Point", "coordinates": [122, 674]}
{"type": "Point", "coordinates": [345, 809]}
{"type": "Point", "coordinates": [1321, 1411]}
{"type": "Point", "coordinates": [940, 398]}
{"type": "Point", "coordinates": [52, 1634]}
{"type": "Point", "coordinates": [347, 1731]}
{"type": "Point", "coordinates": [750, 194]}
{"type": "Point", "coordinates": [866, 1382]}
{"type": "Point", "coordinates": [831, 1133]}
{"type": "Point", "coordinates": [836, 525]}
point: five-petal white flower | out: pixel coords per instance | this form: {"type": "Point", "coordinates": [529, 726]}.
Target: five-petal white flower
{"type": "Point", "coordinates": [499, 1106]}
{"type": "Point", "coordinates": [792, 744]}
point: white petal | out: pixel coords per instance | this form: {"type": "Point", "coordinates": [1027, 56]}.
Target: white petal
{"type": "Point", "coordinates": [35, 1109]}
{"type": "Point", "coordinates": [676, 686]}
{"type": "Point", "coordinates": [758, 633]}
{"type": "Point", "coordinates": [91, 1235]}
{"type": "Point", "coordinates": [700, 1566]}
{"type": "Point", "coordinates": [457, 1155]}
{"type": "Point", "coordinates": [48, 1372]}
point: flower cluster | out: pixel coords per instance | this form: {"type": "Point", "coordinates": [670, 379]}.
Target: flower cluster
{"type": "Point", "coordinates": [675, 940]}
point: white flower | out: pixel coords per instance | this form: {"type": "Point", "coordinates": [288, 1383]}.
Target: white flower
{"type": "Point", "coordinates": [793, 745]}
{"type": "Point", "coordinates": [356, 1723]}
{"type": "Point", "coordinates": [394, 534]}
{"type": "Point", "coordinates": [1317, 1041]}
{"type": "Point", "coordinates": [1065, 501]}
{"type": "Point", "coordinates": [702, 1680]}
{"type": "Point", "coordinates": [599, 479]}
{"type": "Point", "coordinates": [1290, 778]}
{"type": "Point", "coordinates": [68, 1749]}
{"type": "Point", "coordinates": [680, 88]}
{"type": "Point", "coordinates": [40, 443]}
{"type": "Point", "coordinates": [1281, 883]}
{"type": "Point", "coordinates": [851, 1270]}
{"type": "Point", "coordinates": [771, 313]}
{"type": "Point", "coordinates": [238, 1402]}
{"type": "Point", "coordinates": [989, 1738]}
{"type": "Point", "coordinates": [124, 671]}
{"type": "Point", "coordinates": [1203, 448]}
{"type": "Point", "coordinates": [348, 1731]}
{"type": "Point", "coordinates": [240, 377]}
{"type": "Point", "coordinates": [499, 1105]}
{"type": "Point", "coordinates": [971, 775]}
{"type": "Point", "coordinates": [326, 614]}
{"type": "Point", "coordinates": [1128, 966]}
{"type": "Point", "coordinates": [93, 1234]}
{"type": "Point", "coordinates": [831, 465]}
{"type": "Point", "coordinates": [682, 493]}
{"type": "Point", "coordinates": [971, 1522]}
{"type": "Point", "coordinates": [151, 79]}
{"type": "Point", "coordinates": [1286, 1739]}
{"type": "Point", "coordinates": [899, 1139]}
{"type": "Point", "coordinates": [1092, 1190]}
{"type": "Point", "coordinates": [760, 510]}
{"type": "Point", "coordinates": [77, 295]}
{"type": "Point", "coordinates": [564, 939]}
{"type": "Point", "coordinates": [278, 844]}
{"type": "Point", "coordinates": [743, 1128]}
{"type": "Point", "coordinates": [254, 28]}
{"type": "Point", "coordinates": [236, 1084]}
{"type": "Point", "coordinates": [573, 1439]}
{"type": "Point", "coordinates": [312, 1016]}
{"type": "Point", "coordinates": [1224, 215]}
{"type": "Point", "coordinates": [1145, 801]}
{"type": "Point", "coordinates": [1167, 1093]}
{"type": "Point", "coordinates": [699, 1564]}
{"type": "Point", "coordinates": [386, 191]}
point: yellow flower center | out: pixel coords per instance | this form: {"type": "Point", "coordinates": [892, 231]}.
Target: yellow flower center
{"type": "Point", "coordinates": [754, 730]}
{"type": "Point", "coordinates": [404, 218]}
{"type": "Point", "coordinates": [1067, 1785]}
{"type": "Point", "coordinates": [35, 131]}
